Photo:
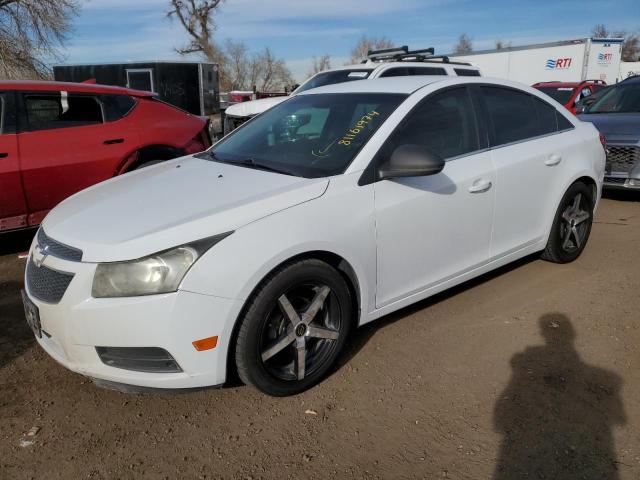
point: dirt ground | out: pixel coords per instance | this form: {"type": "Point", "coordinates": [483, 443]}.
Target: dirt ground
{"type": "Point", "coordinates": [528, 373]}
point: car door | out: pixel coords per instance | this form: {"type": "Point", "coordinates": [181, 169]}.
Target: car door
{"type": "Point", "coordinates": [528, 161]}
{"type": "Point", "coordinates": [13, 207]}
{"type": "Point", "coordinates": [433, 228]}
{"type": "Point", "coordinates": [67, 147]}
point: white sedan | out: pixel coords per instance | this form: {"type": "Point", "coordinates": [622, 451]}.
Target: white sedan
{"type": "Point", "coordinates": [332, 209]}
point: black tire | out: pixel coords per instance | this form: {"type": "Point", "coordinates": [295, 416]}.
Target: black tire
{"type": "Point", "coordinates": [265, 327]}
{"type": "Point", "coordinates": [576, 206]}
{"type": "Point", "coordinates": [147, 164]}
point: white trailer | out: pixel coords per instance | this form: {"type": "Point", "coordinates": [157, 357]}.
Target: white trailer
{"type": "Point", "coordinates": [629, 69]}
{"type": "Point", "coordinates": [566, 61]}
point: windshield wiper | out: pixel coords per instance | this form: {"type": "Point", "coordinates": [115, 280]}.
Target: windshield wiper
{"type": "Point", "coordinates": [248, 162]}
{"type": "Point", "coordinates": [252, 163]}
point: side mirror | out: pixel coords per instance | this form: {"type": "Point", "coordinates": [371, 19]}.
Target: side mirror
{"type": "Point", "coordinates": [411, 161]}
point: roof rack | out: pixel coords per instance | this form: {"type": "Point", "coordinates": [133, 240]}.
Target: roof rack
{"type": "Point", "coordinates": [601, 82]}
{"type": "Point", "coordinates": [403, 54]}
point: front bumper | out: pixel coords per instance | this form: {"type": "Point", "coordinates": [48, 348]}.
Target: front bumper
{"type": "Point", "coordinates": [74, 327]}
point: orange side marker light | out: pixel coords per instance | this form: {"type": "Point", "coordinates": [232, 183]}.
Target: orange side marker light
{"type": "Point", "coordinates": [206, 343]}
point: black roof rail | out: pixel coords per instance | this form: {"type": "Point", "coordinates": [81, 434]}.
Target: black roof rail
{"type": "Point", "coordinates": [403, 54]}
{"type": "Point", "coordinates": [386, 52]}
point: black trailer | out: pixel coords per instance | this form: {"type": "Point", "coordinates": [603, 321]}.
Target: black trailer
{"type": "Point", "coordinates": [192, 86]}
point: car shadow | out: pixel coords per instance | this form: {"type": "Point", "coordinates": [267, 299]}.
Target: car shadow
{"type": "Point", "coordinates": [15, 334]}
{"type": "Point", "coordinates": [622, 195]}
{"type": "Point", "coordinates": [361, 336]}
{"type": "Point", "coordinates": [556, 415]}
{"type": "Point", "coordinates": [16, 242]}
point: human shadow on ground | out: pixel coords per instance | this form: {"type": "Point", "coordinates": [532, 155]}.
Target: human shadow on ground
{"type": "Point", "coordinates": [557, 413]}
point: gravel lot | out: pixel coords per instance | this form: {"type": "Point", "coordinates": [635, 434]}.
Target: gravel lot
{"type": "Point", "coordinates": [527, 373]}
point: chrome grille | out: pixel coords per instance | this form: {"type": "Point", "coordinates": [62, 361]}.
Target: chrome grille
{"type": "Point", "coordinates": [45, 283]}
{"type": "Point", "coordinates": [57, 249]}
{"type": "Point", "coordinates": [622, 159]}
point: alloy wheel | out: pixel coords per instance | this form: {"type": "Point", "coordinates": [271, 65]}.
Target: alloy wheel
{"type": "Point", "coordinates": [300, 332]}
{"type": "Point", "coordinates": [574, 228]}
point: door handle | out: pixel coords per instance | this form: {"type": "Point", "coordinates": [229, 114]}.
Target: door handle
{"type": "Point", "coordinates": [553, 160]}
{"type": "Point", "coordinates": [113, 140]}
{"type": "Point", "coordinates": [480, 186]}
{"type": "Point", "coordinates": [4, 154]}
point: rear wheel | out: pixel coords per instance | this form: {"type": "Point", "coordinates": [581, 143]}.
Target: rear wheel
{"type": "Point", "coordinates": [294, 328]}
{"type": "Point", "coordinates": [571, 226]}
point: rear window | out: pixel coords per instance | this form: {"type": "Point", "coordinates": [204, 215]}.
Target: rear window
{"type": "Point", "coordinates": [61, 111]}
{"type": "Point", "coordinates": [559, 94]}
{"type": "Point", "coordinates": [466, 72]}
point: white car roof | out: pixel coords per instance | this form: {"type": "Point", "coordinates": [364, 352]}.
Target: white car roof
{"type": "Point", "coordinates": [404, 85]}
{"type": "Point", "coordinates": [408, 85]}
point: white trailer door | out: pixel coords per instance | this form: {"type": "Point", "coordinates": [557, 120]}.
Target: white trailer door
{"type": "Point", "coordinates": [603, 62]}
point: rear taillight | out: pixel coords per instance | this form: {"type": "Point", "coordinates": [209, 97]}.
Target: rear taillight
{"type": "Point", "coordinates": [603, 141]}
{"type": "Point", "coordinates": [200, 142]}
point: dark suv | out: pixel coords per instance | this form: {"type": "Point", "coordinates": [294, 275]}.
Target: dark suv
{"type": "Point", "coordinates": [617, 115]}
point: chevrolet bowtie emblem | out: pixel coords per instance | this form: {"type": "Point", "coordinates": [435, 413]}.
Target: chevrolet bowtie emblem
{"type": "Point", "coordinates": [39, 254]}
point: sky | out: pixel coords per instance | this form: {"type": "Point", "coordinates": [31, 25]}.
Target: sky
{"type": "Point", "coordinates": [125, 30]}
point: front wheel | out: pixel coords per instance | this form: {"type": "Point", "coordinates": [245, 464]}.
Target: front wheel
{"type": "Point", "coordinates": [571, 225]}
{"type": "Point", "coordinates": [294, 328]}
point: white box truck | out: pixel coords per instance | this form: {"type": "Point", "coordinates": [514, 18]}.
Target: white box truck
{"type": "Point", "coordinates": [566, 61]}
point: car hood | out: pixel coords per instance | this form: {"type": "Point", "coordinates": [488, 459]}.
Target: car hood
{"type": "Point", "coordinates": [171, 204]}
{"type": "Point", "coordinates": [615, 124]}
{"type": "Point", "coordinates": [254, 107]}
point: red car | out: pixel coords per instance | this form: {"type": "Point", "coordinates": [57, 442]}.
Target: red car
{"type": "Point", "coordinates": [570, 93]}
{"type": "Point", "coordinates": [59, 138]}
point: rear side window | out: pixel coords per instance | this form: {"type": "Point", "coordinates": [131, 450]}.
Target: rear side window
{"type": "Point", "coordinates": [563, 123]}
{"type": "Point", "coordinates": [61, 111]}
{"type": "Point", "coordinates": [409, 71]}
{"type": "Point", "coordinates": [444, 124]}
{"type": "Point", "coordinates": [466, 72]}
{"type": "Point", "coordinates": [116, 106]}
{"type": "Point", "coordinates": [512, 115]}
{"type": "Point", "coordinates": [547, 117]}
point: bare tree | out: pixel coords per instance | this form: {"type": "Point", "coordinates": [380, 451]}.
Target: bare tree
{"type": "Point", "coordinates": [31, 32]}
{"type": "Point", "coordinates": [501, 45]}
{"type": "Point", "coordinates": [360, 51]}
{"type": "Point", "coordinates": [319, 64]}
{"type": "Point", "coordinates": [600, 31]}
{"type": "Point", "coordinates": [237, 69]}
{"type": "Point", "coordinates": [266, 73]}
{"type": "Point", "coordinates": [238, 61]}
{"type": "Point", "coordinates": [464, 45]}
{"type": "Point", "coordinates": [630, 45]}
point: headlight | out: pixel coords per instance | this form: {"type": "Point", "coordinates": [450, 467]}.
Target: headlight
{"type": "Point", "coordinates": [158, 273]}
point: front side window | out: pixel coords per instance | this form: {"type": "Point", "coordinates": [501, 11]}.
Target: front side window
{"type": "Point", "coordinates": [512, 115]}
{"type": "Point", "coordinates": [622, 98]}
{"type": "Point", "coordinates": [331, 78]}
{"type": "Point", "coordinates": [444, 124]}
{"type": "Point", "coordinates": [308, 135]}
{"type": "Point", "coordinates": [48, 111]}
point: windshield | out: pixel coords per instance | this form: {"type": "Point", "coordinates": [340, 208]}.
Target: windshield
{"type": "Point", "coordinates": [559, 94]}
{"type": "Point", "coordinates": [623, 98]}
{"type": "Point", "coordinates": [330, 78]}
{"type": "Point", "coordinates": [308, 135]}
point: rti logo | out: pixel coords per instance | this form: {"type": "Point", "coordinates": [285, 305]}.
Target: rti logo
{"type": "Point", "coordinates": [605, 57]}
{"type": "Point", "coordinates": [557, 63]}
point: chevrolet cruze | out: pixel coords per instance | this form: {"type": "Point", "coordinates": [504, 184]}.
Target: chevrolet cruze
{"type": "Point", "coordinates": [330, 210]}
